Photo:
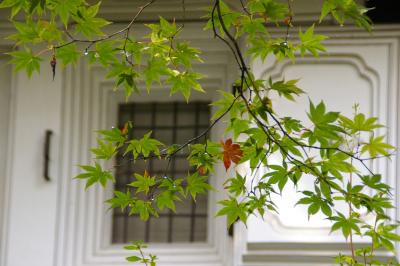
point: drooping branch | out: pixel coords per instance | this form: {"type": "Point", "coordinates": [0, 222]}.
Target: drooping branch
{"type": "Point", "coordinates": [247, 76]}
{"type": "Point", "coordinates": [125, 30]}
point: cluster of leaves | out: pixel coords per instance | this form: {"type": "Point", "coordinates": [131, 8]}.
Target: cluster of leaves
{"type": "Point", "coordinates": [251, 26]}
{"type": "Point", "coordinates": [147, 195]}
{"type": "Point", "coordinates": [140, 258]}
{"type": "Point", "coordinates": [158, 56]}
{"type": "Point", "coordinates": [331, 149]}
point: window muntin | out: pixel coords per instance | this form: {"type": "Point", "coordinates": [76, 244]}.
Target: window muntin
{"type": "Point", "coordinates": [170, 123]}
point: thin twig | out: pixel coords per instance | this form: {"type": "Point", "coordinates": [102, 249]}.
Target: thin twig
{"type": "Point", "coordinates": [125, 29]}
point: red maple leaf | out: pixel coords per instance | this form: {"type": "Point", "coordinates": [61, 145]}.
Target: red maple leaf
{"type": "Point", "coordinates": [232, 153]}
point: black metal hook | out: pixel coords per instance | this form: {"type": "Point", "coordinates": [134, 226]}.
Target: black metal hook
{"type": "Point", "coordinates": [46, 154]}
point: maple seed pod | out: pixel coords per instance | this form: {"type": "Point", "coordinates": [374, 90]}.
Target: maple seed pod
{"type": "Point", "coordinates": [53, 62]}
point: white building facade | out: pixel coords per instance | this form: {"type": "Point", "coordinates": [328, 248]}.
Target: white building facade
{"type": "Point", "coordinates": [58, 223]}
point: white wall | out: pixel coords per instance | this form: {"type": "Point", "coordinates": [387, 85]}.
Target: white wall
{"type": "Point", "coordinates": [357, 69]}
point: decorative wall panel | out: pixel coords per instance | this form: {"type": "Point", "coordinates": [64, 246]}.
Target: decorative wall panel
{"type": "Point", "coordinates": [355, 70]}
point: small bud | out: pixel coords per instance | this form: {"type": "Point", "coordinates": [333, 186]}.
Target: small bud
{"type": "Point", "coordinates": [125, 53]}
{"type": "Point", "coordinates": [287, 21]}
{"type": "Point", "coordinates": [125, 129]}
{"type": "Point", "coordinates": [202, 170]}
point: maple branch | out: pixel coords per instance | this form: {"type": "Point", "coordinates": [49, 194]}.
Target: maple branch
{"type": "Point", "coordinates": [244, 7]}
{"type": "Point", "coordinates": [235, 48]}
{"type": "Point", "coordinates": [164, 153]}
{"type": "Point", "coordinates": [126, 29]}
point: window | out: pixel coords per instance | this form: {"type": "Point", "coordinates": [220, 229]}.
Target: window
{"type": "Point", "coordinates": [383, 11]}
{"type": "Point", "coordinates": [170, 123]}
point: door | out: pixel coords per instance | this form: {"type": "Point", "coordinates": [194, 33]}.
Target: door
{"type": "Point", "coordinates": [29, 233]}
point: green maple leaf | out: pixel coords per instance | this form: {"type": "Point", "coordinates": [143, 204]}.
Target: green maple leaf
{"type": "Point", "coordinates": [360, 123]}
{"type": "Point", "coordinates": [114, 135]}
{"type": "Point", "coordinates": [35, 4]}
{"type": "Point", "coordinates": [27, 33]}
{"type": "Point", "coordinates": [128, 80]}
{"type": "Point", "coordinates": [347, 225]}
{"type": "Point", "coordinates": [106, 53]}
{"type": "Point", "coordinates": [227, 102]}
{"type": "Point", "coordinates": [252, 26]}
{"type": "Point", "coordinates": [105, 150]}
{"type": "Point", "coordinates": [233, 211]}
{"type": "Point", "coordinates": [184, 54]}
{"type": "Point", "coordinates": [167, 200]}
{"type": "Point", "coordinates": [286, 88]}
{"type": "Point", "coordinates": [87, 22]}
{"type": "Point", "coordinates": [144, 146]}
{"type": "Point", "coordinates": [156, 67]}
{"type": "Point", "coordinates": [184, 83]}
{"type": "Point", "coordinates": [120, 200]}
{"type": "Point", "coordinates": [68, 54]}
{"type": "Point", "coordinates": [64, 8]}
{"type": "Point", "coordinates": [197, 184]}
{"type": "Point", "coordinates": [144, 209]}
{"type": "Point", "coordinates": [237, 185]}
{"type": "Point", "coordinates": [271, 9]}
{"type": "Point", "coordinates": [376, 146]}
{"type": "Point", "coordinates": [95, 174]}
{"type": "Point", "coordinates": [15, 5]}
{"type": "Point", "coordinates": [25, 59]}
{"type": "Point", "coordinates": [343, 9]}
{"type": "Point", "coordinates": [228, 15]}
{"type": "Point", "coordinates": [133, 259]}
{"type": "Point", "coordinates": [311, 42]}
{"type": "Point", "coordinates": [143, 183]}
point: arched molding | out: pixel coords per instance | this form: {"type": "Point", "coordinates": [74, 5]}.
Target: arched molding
{"type": "Point", "coordinates": [365, 72]}
{"type": "Point", "coordinates": [375, 60]}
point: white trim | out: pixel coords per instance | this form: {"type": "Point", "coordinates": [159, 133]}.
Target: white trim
{"type": "Point", "coordinates": [8, 172]}
{"type": "Point", "coordinates": [301, 253]}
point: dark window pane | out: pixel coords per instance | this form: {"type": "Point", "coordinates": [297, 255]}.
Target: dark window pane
{"type": "Point", "coordinates": [383, 11]}
{"type": "Point", "coordinates": [170, 123]}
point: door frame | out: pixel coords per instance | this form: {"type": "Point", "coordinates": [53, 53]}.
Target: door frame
{"type": "Point", "coordinates": [6, 171]}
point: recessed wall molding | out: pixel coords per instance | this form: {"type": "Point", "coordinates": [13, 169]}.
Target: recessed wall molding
{"type": "Point", "coordinates": [84, 225]}
{"type": "Point", "coordinates": [375, 63]}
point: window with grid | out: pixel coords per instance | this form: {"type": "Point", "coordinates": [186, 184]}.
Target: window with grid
{"type": "Point", "coordinates": [170, 123]}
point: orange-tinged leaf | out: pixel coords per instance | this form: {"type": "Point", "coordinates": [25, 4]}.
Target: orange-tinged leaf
{"type": "Point", "coordinates": [232, 153]}
{"type": "Point", "coordinates": [202, 170]}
